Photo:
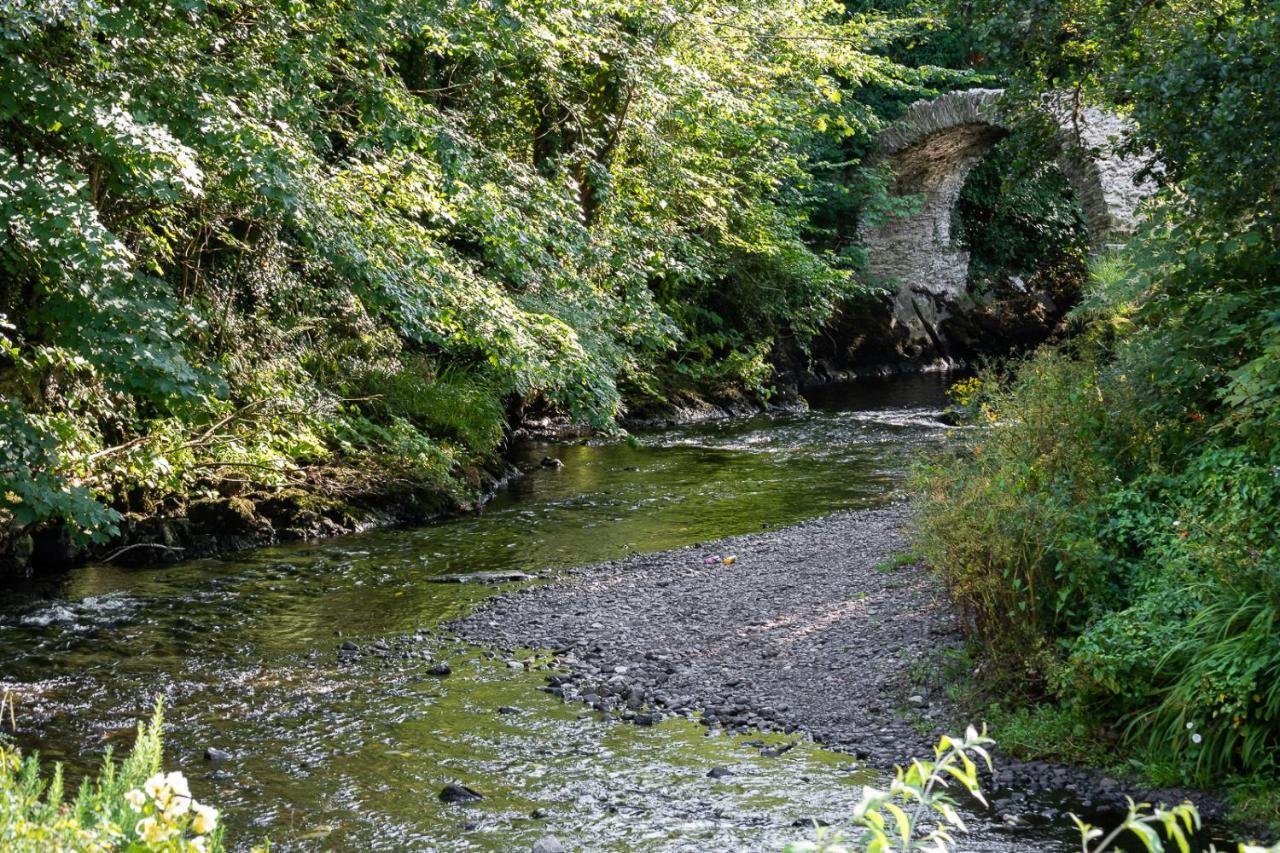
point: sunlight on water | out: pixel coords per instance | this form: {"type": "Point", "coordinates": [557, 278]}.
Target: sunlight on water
{"type": "Point", "coordinates": [331, 754]}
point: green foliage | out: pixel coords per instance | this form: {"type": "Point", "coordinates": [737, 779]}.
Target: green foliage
{"type": "Point", "coordinates": [895, 819]}
{"type": "Point", "coordinates": [1178, 825]}
{"type": "Point", "coordinates": [1018, 215]}
{"type": "Point", "coordinates": [1112, 530]}
{"type": "Point", "coordinates": [31, 489]}
{"type": "Point", "coordinates": [1048, 732]}
{"type": "Point", "coordinates": [132, 805]}
{"type": "Point", "coordinates": [1136, 577]}
{"type": "Point", "coordinates": [1198, 78]}
{"type": "Point", "coordinates": [1255, 802]}
{"type": "Point", "coordinates": [897, 562]}
{"type": "Point", "coordinates": [266, 234]}
{"type": "Point", "coordinates": [1222, 705]}
{"type": "Point", "coordinates": [1009, 519]}
{"type": "Point", "coordinates": [458, 405]}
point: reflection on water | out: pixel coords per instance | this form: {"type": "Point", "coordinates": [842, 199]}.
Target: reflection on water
{"type": "Point", "coordinates": [331, 754]}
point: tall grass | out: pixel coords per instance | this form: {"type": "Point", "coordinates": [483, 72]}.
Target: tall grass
{"type": "Point", "coordinates": [1221, 708]}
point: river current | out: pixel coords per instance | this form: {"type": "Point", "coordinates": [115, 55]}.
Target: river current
{"type": "Point", "coordinates": [350, 755]}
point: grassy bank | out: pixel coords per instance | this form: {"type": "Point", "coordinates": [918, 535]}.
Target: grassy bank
{"type": "Point", "coordinates": [1108, 529]}
{"type": "Point", "coordinates": [1111, 527]}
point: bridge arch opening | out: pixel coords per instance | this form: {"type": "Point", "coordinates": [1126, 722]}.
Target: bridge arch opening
{"type": "Point", "coordinates": [931, 152]}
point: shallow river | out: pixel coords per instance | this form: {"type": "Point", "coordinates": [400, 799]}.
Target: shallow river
{"type": "Point", "coordinates": [350, 756]}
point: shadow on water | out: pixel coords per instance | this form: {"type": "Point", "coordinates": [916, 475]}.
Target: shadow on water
{"type": "Point", "coordinates": [334, 753]}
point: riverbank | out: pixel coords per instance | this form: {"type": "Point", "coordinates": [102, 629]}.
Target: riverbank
{"type": "Point", "coordinates": [820, 629]}
{"type": "Point", "coordinates": [318, 503]}
{"type": "Point", "coordinates": [235, 509]}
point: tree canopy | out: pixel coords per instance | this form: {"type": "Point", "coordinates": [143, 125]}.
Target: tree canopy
{"type": "Point", "coordinates": [338, 229]}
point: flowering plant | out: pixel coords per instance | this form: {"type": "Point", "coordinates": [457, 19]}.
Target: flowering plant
{"type": "Point", "coordinates": [171, 817]}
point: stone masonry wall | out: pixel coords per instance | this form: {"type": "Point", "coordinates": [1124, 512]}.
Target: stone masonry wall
{"type": "Point", "coordinates": [931, 150]}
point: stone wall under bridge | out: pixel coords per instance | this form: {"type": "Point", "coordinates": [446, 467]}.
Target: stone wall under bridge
{"type": "Point", "coordinates": [931, 150]}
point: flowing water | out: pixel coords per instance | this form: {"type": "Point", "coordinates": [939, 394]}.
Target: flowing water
{"type": "Point", "coordinates": [350, 755]}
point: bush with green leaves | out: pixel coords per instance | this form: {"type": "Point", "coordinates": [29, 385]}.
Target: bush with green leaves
{"type": "Point", "coordinates": [1110, 530]}
{"type": "Point", "coordinates": [1113, 530]}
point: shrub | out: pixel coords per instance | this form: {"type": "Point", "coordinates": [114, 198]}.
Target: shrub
{"type": "Point", "coordinates": [1110, 523]}
{"type": "Point", "coordinates": [132, 806]}
{"type": "Point", "coordinates": [1007, 513]}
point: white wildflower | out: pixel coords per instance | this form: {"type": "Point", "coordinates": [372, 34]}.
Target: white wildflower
{"type": "Point", "coordinates": [152, 831]}
{"type": "Point", "coordinates": [155, 786]}
{"type": "Point", "coordinates": [136, 799]}
{"type": "Point", "coordinates": [177, 807]}
{"type": "Point", "coordinates": [178, 784]}
{"type": "Point", "coordinates": [205, 819]}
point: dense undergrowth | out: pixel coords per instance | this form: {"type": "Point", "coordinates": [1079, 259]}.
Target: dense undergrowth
{"type": "Point", "coordinates": [1112, 529]}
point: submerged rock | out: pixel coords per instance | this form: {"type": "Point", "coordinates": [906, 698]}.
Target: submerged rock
{"type": "Point", "coordinates": [458, 793]}
{"type": "Point", "coordinates": [212, 753]}
{"type": "Point", "coordinates": [483, 577]}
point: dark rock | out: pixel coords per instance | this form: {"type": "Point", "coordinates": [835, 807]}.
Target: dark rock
{"type": "Point", "coordinates": [508, 709]}
{"type": "Point", "coordinates": [54, 545]}
{"type": "Point", "coordinates": [719, 772]}
{"type": "Point", "coordinates": [551, 462]}
{"type": "Point", "coordinates": [458, 793]}
{"type": "Point", "coordinates": [538, 814]}
{"type": "Point", "coordinates": [232, 515]}
{"type": "Point", "coordinates": [212, 753]}
{"type": "Point", "coordinates": [483, 577]}
{"type": "Point", "coordinates": [439, 668]}
{"type": "Point", "coordinates": [774, 752]}
{"type": "Point", "coordinates": [348, 646]}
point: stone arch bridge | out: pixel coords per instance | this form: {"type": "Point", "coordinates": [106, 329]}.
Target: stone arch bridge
{"type": "Point", "coordinates": [931, 150]}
